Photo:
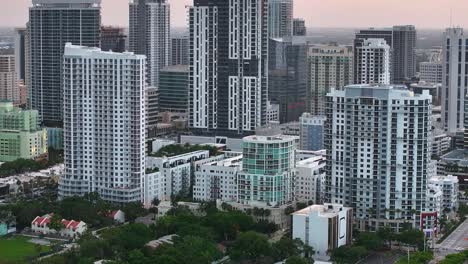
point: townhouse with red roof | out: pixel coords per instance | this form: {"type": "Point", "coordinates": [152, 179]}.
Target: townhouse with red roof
{"type": "Point", "coordinates": [71, 228]}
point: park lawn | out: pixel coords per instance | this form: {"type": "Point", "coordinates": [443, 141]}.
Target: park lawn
{"type": "Point", "coordinates": [17, 249]}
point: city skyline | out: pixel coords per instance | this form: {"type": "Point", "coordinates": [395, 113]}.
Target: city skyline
{"type": "Point", "coordinates": [333, 13]}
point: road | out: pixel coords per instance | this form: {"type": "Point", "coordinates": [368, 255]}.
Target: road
{"type": "Point", "coordinates": [456, 242]}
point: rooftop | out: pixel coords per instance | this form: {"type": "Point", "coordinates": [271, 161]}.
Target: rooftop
{"type": "Point", "coordinates": [176, 68]}
{"type": "Point", "coordinates": [325, 210]}
{"type": "Point", "coordinates": [269, 139]}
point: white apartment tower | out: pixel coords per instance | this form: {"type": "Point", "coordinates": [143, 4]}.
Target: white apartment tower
{"type": "Point", "coordinates": [280, 18]}
{"type": "Point", "coordinates": [372, 61]}
{"type": "Point", "coordinates": [104, 124]}
{"type": "Point", "coordinates": [378, 142]}
{"type": "Point", "coordinates": [149, 34]}
{"type": "Point", "coordinates": [228, 66]}
{"type": "Point", "coordinates": [455, 80]}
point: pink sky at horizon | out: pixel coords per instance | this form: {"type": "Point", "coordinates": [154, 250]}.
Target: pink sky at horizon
{"type": "Point", "coordinates": [317, 13]}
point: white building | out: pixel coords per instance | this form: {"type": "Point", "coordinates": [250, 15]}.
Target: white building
{"type": "Point", "coordinates": [310, 179]}
{"type": "Point", "coordinates": [441, 142]}
{"type": "Point", "coordinates": [170, 176]}
{"type": "Point", "coordinates": [373, 62]}
{"type": "Point", "coordinates": [104, 124]}
{"type": "Point", "coordinates": [217, 180]}
{"type": "Point", "coordinates": [71, 228]}
{"type": "Point", "coordinates": [378, 142]}
{"type": "Point", "coordinates": [434, 199]}
{"type": "Point", "coordinates": [311, 132]}
{"type": "Point", "coordinates": [273, 112]}
{"type": "Point", "coordinates": [149, 34]}
{"type": "Point", "coordinates": [323, 227]}
{"type": "Point", "coordinates": [432, 71]}
{"type": "Point", "coordinates": [449, 187]}
{"type": "Point", "coordinates": [455, 79]}
{"type": "Point", "coordinates": [118, 216]}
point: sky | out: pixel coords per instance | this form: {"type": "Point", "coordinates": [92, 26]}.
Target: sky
{"type": "Point", "coordinates": [317, 13]}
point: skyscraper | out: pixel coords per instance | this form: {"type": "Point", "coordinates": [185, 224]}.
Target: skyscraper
{"type": "Point", "coordinates": [113, 39]}
{"type": "Point", "coordinates": [228, 66]}
{"type": "Point", "coordinates": [104, 124]}
{"type": "Point", "coordinates": [179, 51]}
{"type": "Point", "coordinates": [52, 23]}
{"type": "Point", "coordinates": [299, 27]}
{"type": "Point", "coordinates": [280, 18]}
{"type": "Point", "coordinates": [288, 76]}
{"type": "Point", "coordinates": [9, 85]}
{"type": "Point", "coordinates": [20, 53]}
{"type": "Point", "coordinates": [378, 142]}
{"type": "Point", "coordinates": [173, 89]}
{"type": "Point", "coordinates": [404, 55]}
{"type": "Point", "coordinates": [329, 66]}
{"type": "Point", "coordinates": [149, 34]}
{"type": "Point", "coordinates": [402, 41]}
{"type": "Point", "coordinates": [455, 80]}
{"type": "Point", "coordinates": [371, 62]}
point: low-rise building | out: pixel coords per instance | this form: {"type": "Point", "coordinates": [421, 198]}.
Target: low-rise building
{"type": "Point", "coordinates": [217, 180]}
{"type": "Point", "coordinates": [310, 179]}
{"type": "Point", "coordinates": [169, 176]}
{"type": "Point", "coordinates": [20, 134]}
{"type": "Point", "coordinates": [455, 163]}
{"type": "Point", "coordinates": [449, 188]}
{"type": "Point", "coordinates": [440, 142]}
{"type": "Point", "coordinates": [323, 227]}
{"type": "Point", "coordinates": [71, 228]}
{"type": "Point", "coordinates": [118, 216]}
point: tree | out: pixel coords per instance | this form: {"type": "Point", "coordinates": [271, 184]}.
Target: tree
{"type": "Point", "coordinates": [459, 258]}
{"type": "Point", "coordinates": [250, 246]}
{"type": "Point", "coordinates": [416, 258]}
{"type": "Point", "coordinates": [386, 234]}
{"type": "Point", "coordinates": [56, 222]}
{"type": "Point", "coordinates": [155, 201]}
{"type": "Point", "coordinates": [348, 255]}
{"type": "Point", "coordinates": [412, 237]}
{"type": "Point", "coordinates": [134, 210]}
{"type": "Point", "coordinates": [369, 240]}
{"type": "Point", "coordinates": [299, 260]}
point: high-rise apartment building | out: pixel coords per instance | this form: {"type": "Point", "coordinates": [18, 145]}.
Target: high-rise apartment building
{"type": "Point", "coordinates": [228, 66]}
{"type": "Point", "coordinates": [20, 134]}
{"type": "Point", "coordinates": [20, 53]}
{"type": "Point", "coordinates": [280, 18]}
{"type": "Point", "coordinates": [402, 41]}
{"type": "Point", "coordinates": [180, 51]}
{"type": "Point", "coordinates": [9, 85]}
{"type": "Point", "coordinates": [288, 76]}
{"type": "Point", "coordinates": [371, 61]}
{"type": "Point", "coordinates": [378, 143]}
{"type": "Point", "coordinates": [299, 27]}
{"type": "Point", "coordinates": [268, 170]}
{"type": "Point", "coordinates": [455, 80]}
{"type": "Point", "coordinates": [52, 23]}
{"type": "Point", "coordinates": [329, 66]}
{"type": "Point", "coordinates": [149, 34]}
{"type": "Point", "coordinates": [104, 124]}
{"type": "Point", "coordinates": [113, 39]}
{"type": "Point", "coordinates": [173, 89]}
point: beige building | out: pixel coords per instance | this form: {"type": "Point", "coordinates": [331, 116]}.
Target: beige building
{"type": "Point", "coordinates": [330, 66]}
{"type": "Point", "coordinates": [9, 89]}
